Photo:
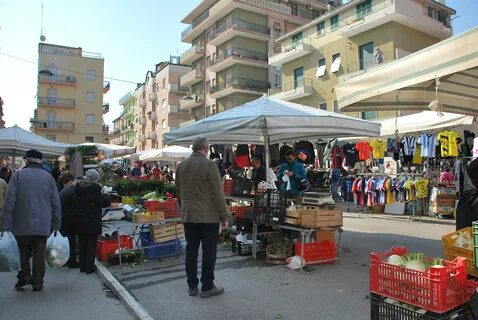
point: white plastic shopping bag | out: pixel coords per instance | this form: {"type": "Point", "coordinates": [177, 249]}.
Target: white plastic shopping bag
{"type": "Point", "coordinates": [57, 250]}
{"type": "Point", "coordinates": [9, 252]}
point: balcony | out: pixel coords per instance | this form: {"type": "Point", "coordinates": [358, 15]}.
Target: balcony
{"type": "Point", "coordinates": [223, 8]}
{"type": "Point", "coordinates": [192, 77]}
{"type": "Point", "coordinates": [290, 52]}
{"type": "Point", "coordinates": [192, 54]}
{"type": "Point", "coordinates": [55, 102]}
{"type": "Point", "coordinates": [239, 56]}
{"type": "Point", "coordinates": [45, 125]}
{"type": "Point", "coordinates": [153, 96]}
{"type": "Point", "coordinates": [142, 120]}
{"type": "Point", "coordinates": [106, 108]}
{"type": "Point", "coordinates": [172, 87]}
{"type": "Point", "coordinates": [142, 138]}
{"type": "Point", "coordinates": [152, 115]}
{"type": "Point", "coordinates": [293, 90]}
{"type": "Point", "coordinates": [152, 135]}
{"type": "Point", "coordinates": [238, 85]}
{"type": "Point", "coordinates": [235, 27]}
{"type": "Point", "coordinates": [58, 79]}
{"type": "Point", "coordinates": [142, 102]}
{"type": "Point", "coordinates": [196, 101]}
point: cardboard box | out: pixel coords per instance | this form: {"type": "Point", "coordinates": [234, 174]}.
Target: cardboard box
{"type": "Point", "coordinates": [324, 234]}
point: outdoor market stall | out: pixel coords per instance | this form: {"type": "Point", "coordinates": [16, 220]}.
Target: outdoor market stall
{"type": "Point", "coordinates": [268, 121]}
{"type": "Point", "coordinates": [171, 153]}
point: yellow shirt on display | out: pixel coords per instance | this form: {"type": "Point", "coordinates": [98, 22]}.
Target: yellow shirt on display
{"type": "Point", "coordinates": [421, 185]}
{"type": "Point", "coordinates": [408, 185]}
{"type": "Point", "coordinates": [417, 157]}
{"type": "Point", "coordinates": [449, 145]}
{"type": "Point", "coordinates": [379, 147]}
{"type": "Point", "coordinates": [389, 192]}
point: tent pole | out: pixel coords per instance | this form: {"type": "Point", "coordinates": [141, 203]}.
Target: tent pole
{"type": "Point", "coordinates": [266, 146]}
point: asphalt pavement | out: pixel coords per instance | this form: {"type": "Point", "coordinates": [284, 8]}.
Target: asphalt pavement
{"type": "Point", "coordinates": [68, 294]}
{"type": "Point", "coordinates": [256, 290]}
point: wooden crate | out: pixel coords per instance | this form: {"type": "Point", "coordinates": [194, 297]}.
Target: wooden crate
{"type": "Point", "coordinates": [293, 212]}
{"type": "Point", "coordinates": [291, 220]}
{"type": "Point", "coordinates": [154, 217]}
{"type": "Point", "coordinates": [166, 232]}
{"type": "Point", "coordinates": [330, 220]}
{"type": "Point", "coordinates": [315, 217]}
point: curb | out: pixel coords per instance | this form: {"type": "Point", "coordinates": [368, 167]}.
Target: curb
{"type": "Point", "coordinates": [402, 218]}
{"type": "Point", "coordinates": [131, 304]}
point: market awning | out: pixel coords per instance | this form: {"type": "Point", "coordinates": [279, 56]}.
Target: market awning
{"type": "Point", "coordinates": [409, 83]}
{"type": "Point", "coordinates": [171, 153]}
{"type": "Point", "coordinates": [15, 141]}
{"type": "Point", "coordinates": [422, 122]}
{"type": "Point", "coordinates": [111, 150]}
{"type": "Point", "coordinates": [280, 121]}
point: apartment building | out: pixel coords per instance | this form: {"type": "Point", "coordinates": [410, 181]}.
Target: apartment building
{"type": "Point", "coordinates": [230, 41]}
{"type": "Point", "coordinates": [115, 136]}
{"type": "Point", "coordinates": [70, 95]}
{"type": "Point", "coordinates": [350, 40]}
{"type": "Point", "coordinates": [158, 101]}
{"type": "Point", "coordinates": [125, 123]}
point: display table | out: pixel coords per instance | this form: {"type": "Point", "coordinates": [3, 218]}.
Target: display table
{"type": "Point", "coordinates": [240, 198]}
{"type": "Point", "coordinates": [442, 200]}
{"type": "Point", "coordinates": [304, 232]}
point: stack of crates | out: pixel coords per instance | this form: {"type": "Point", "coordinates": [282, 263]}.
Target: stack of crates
{"type": "Point", "coordinates": [438, 293]}
{"type": "Point", "coordinates": [269, 207]}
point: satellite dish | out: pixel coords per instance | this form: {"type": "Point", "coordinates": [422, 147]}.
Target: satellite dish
{"type": "Point", "coordinates": [42, 38]}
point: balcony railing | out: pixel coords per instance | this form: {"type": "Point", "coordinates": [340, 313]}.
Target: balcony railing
{"type": "Point", "coordinates": [241, 83]}
{"type": "Point", "coordinates": [57, 125]}
{"type": "Point", "coordinates": [57, 79]}
{"type": "Point", "coordinates": [240, 53]}
{"type": "Point", "coordinates": [203, 16]}
{"type": "Point", "coordinates": [233, 23]}
{"type": "Point", "coordinates": [55, 102]}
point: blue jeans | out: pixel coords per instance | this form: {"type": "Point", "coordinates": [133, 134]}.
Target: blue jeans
{"type": "Point", "coordinates": [197, 233]}
{"type": "Point", "coordinates": [334, 188]}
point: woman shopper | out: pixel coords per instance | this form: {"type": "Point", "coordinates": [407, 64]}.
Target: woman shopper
{"type": "Point", "coordinates": [67, 193]}
{"type": "Point", "coordinates": [88, 202]}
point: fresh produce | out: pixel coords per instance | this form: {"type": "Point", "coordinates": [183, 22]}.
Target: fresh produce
{"type": "Point", "coordinates": [415, 261]}
{"type": "Point", "coordinates": [464, 239]}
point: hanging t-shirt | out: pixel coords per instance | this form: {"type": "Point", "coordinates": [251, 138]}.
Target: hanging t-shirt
{"type": "Point", "coordinates": [417, 157]}
{"type": "Point", "coordinates": [337, 157]}
{"type": "Point", "coordinates": [421, 186]}
{"type": "Point", "coordinates": [379, 147]}
{"type": "Point", "coordinates": [449, 143]}
{"type": "Point", "coordinates": [350, 154]}
{"type": "Point", "coordinates": [409, 144]}
{"type": "Point", "coordinates": [428, 142]}
{"type": "Point", "coordinates": [364, 149]}
{"type": "Point", "coordinates": [392, 145]}
{"type": "Point", "coordinates": [242, 156]}
{"type": "Point", "coordinates": [306, 148]}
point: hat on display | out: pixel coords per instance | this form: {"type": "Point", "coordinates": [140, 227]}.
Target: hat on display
{"type": "Point", "coordinates": [92, 175]}
{"type": "Point", "coordinates": [33, 154]}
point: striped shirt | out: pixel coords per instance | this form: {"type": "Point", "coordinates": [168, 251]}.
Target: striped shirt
{"type": "Point", "coordinates": [409, 144]}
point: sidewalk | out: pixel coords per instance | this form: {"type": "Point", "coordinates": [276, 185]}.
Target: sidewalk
{"type": "Point", "coordinates": [68, 294]}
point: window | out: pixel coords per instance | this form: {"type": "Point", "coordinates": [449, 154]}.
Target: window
{"type": "Point", "coordinates": [90, 74]}
{"type": "Point", "coordinates": [321, 68]}
{"type": "Point", "coordinates": [321, 27]}
{"type": "Point", "coordinates": [51, 93]}
{"type": "Point", "coordinates": [297, 39]}
{"type": "Point", "coordinates": [366, 57]}
{"type": "Point", "coordinates": [432, 13]}
{"type": "Point", "coordinates": [293, 7]}
{"type": "Point", "coordinates": [299, 77]}
{"type": "Point", "coordinates": [364, 8]}
{"type": "Point", "coordinates": [90, 97]}
{"type": "Point", "coordinates": [335, 63]}
{"type": "Point", "coordinates": [277, 80]}
{"type": "Point", "coordinates": [90, 119]}
{"type": "Point", "coordinates": [323, 106]}
{"type": "Point", "coordinates": [163, 104]}
{"type": "Point", "coordinates": [213, 109]}
{"type": "Point", "coordinates": [334, 22]}
{"type": "Point", "coordinates": [208, 86]}
{"type": "Point", "coordinates": [336, 107]}
{"type": "Point", "coordinates": [89, 139]}
{"type": "Point", "coordinates": [51, 137]}
{"type": "Point", "coordinates": [369, 115]}
{"type": "Point", "coordinates": [164, 83]}
{"type": "Point", "coordinates": [163, 124]}
{"type": "Point", "coordinates": [213, 82]}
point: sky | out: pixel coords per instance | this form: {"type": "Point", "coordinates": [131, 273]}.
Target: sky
{"type": "Point", "coordinates": [131, 35]}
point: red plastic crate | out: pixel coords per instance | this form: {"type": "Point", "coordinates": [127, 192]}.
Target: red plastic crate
{"type": "Point", "coordinates": [439, 289]}
{"type": "Point", "coordinates": [105, 247]}
{"type": "Point", "coordinates": [240, 211]}
{"type": "Point", "coordinates": [169, 207]}
{"type": "Point", "coordinates": [314, 252]}
{"type": "Point", "coordinates": [228, 184]}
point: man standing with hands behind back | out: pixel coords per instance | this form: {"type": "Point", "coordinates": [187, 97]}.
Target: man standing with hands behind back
{"type": "Point", "coordinates": [201, 196]}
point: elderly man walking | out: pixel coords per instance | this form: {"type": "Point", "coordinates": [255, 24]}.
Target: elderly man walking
{"type": "Point", "coordinates": [32, 210]}
{"type": "Point", "coordinates": [201, 196]}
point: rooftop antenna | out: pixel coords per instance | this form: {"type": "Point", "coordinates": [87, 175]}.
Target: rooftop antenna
{"type": "Point", "coordinates": [42, 37]}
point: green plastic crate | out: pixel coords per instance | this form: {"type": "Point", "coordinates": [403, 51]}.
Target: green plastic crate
{"type": "Point", "coordinates": [475, 242]}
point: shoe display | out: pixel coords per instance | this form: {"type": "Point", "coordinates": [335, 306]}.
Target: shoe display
{"type": "Point", "coordinates": [212, 292]}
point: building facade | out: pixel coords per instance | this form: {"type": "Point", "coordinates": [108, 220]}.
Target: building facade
{"type": "Point", "coordinates": [353, 39]}
{"type": "Point", "coordinates": [157, 107]}
{"type": "Point", "coordinates": [2, 122]}
{"type": "Point", "coordinates": [230, 41]}
{"type": "Point", "coordinates": [126, 124]}
{"type": "Point", "coordinates": [115, 137]}
{"type": "Point", "coordinates": [70, 95]}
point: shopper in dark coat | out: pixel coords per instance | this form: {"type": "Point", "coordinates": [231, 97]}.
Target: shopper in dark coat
{"type": "Point", "coordinates": [88, 201]}
{"type": "Point", "coordinates": [467, 208]}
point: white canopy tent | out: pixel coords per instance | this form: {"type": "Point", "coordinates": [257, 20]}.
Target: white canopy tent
{"type": "Point", "coordinates": [272, 120]}
{"type": "Point", "coordinates": [410, 82]}
{"type": "Point", "coordinates": [421, 122]}
{"type": "Point", "coordinates": [112, 150]}
{"type": "Point", "coordinates": [171, 153]}
{"type": "Point", "coordinates": [15, 141]}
